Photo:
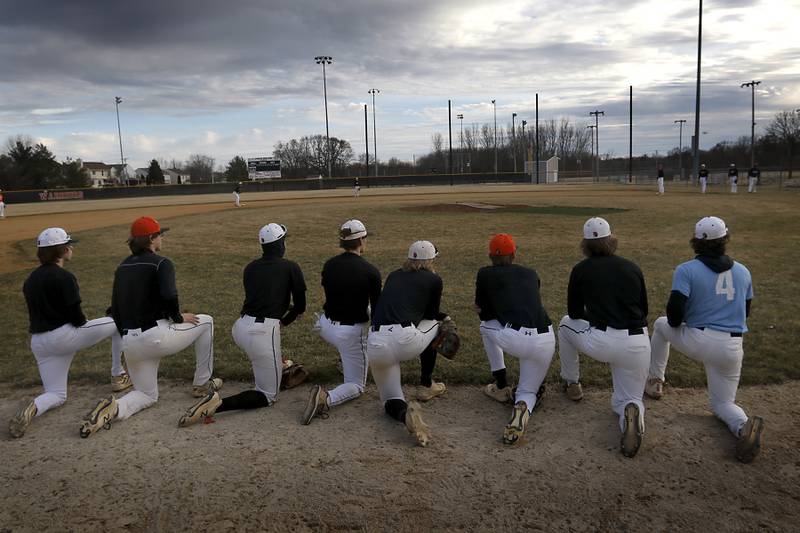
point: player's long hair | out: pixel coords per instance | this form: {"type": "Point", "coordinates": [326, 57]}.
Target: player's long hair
{"type": "Point", "coordinates": [350, 244]}
{"type": "Point", "coordinates": [51, 254]}
{"type": "Point", "coordinates": [140, 244]}
{"type": "Point", "coordinates": [412, 265]}
{"type": "Point", "coordinates": [502, 260]}
{"type": "Point", "coordinates": [712, 247]}
{"type": "Point", "coordinates": [602, 247]}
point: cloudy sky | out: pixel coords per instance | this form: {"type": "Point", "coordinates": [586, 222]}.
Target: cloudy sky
{"type": "Point", "coordinates": [228, 78]}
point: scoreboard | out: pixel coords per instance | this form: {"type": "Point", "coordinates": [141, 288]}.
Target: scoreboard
{"type": "Point", "coordinates": [260, 168]}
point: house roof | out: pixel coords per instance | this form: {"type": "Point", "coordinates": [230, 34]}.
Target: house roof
{"type": "Point", "coordinates": [94, 165]}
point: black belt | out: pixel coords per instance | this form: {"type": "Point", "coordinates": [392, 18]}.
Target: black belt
{"type": "Point", "coordinates": [402, 325]}
{"type": "Point", "coordinates": [631, 331]}
{"type": "Point", "coordinates": [517, 327]}
{"type": "Point", "coordinates": [342, 323]}
{"type": "Point", "coordinates": [143, 328]}
{"type": "Point", "coordinates": [733, 333]}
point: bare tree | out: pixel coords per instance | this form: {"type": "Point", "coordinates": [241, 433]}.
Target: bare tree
{"type": "Point", "coordinates": [200, 168]}
{"type": "Point", "coordinates": [785, 129]}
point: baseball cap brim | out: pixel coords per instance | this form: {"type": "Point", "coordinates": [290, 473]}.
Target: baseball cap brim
{"type": "Point", "coordinates": [162, 231]}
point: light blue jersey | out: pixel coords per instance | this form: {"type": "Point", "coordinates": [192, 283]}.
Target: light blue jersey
{"type": "Point", "coordinates": [716, 300]}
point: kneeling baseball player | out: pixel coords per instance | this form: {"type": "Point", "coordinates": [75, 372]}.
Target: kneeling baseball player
{"type": "Point", "coordinates": [145, 309]}
{"type": "Point", "coordinates": [607, 320]}
{"type": "Point", "coordinates": [405, 323]}
{"type": "Point", "coordinates": [352, 287]}
{"type": "Point", "coordinates": [274, 296]}
{"type": "Point", "coordinates": [58, 326]}
{"type": "Point", "coordinates": [514, 321]}
{"type": "Point", "coordinates": [706, 317]}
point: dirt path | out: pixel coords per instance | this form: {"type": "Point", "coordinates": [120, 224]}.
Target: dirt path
{"type": "Point", "coordinates": [359, 471]}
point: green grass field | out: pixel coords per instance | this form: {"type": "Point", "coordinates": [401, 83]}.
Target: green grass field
{"type": "Point", "coordinates": [210, 251]}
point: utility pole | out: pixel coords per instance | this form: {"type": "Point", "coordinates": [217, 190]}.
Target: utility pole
{"type": "Point", "coordinates": [326, 60]}
{"type": "Point", "coordinates": [373, 92]}
{"type": "Point", "coordinates": [514, 140]}
{"type": "Point", "coordinates": [117, 101]}
{"type": "Point", "coordinates": [680, 123]}
{"type": "Point", "coordinates": [752, 84]}
{"type": "Point", "coordinates": [597, 133]}
{"type": "Point", "coordinates": [450, 135]}
{"type": "Point", "coordinates": [366, 140]}
{"type": "Point", "coordinates": [696, 138]}
{"type": "Point", "coordinates": [537, 139]}
{"type": "Point", "coordinates": [460, 117]}
{"type": "Point", "coordinates": [630, 138]}
{"type": "Point", "coordinates": [591, 128]}
{"type": "Point", "coordinates": [494, 106]}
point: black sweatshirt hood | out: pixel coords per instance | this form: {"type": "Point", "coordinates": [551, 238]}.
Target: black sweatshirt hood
{"type": "Point", "coordinates": [717, 263]}
{"type": "Point", "coordinates": [274, 249]}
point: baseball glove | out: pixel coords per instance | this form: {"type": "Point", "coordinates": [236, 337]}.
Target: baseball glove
{"type": "Point", "coordinates": [447, 341]}
{"type": "Point", "coordinates": [293, 375]}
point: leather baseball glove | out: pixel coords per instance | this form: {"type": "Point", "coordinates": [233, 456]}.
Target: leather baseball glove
{"type": "Point", "coordinates": [447, 342]}
{"type": "Point", "coordinates": [293, 374]}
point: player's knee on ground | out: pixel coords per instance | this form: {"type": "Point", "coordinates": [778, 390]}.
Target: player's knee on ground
{"type": "Point", "coordinates": [396, 408]}
{"type": "Point", "coordinates": [661, 323]}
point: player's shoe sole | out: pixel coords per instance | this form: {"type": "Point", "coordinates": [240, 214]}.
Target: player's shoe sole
{"type": "Point", "coordinates": [516, 426]}
{"type": "Point", "coordinates": [654, 388]}
{"type": "Point", "coordinates": [317, 405]}
{"type": "Point", "coordinates": [426, 394]}
{"type": "Point", "coordinates": [207, 406]}
{"type": "Point", "coordinates": [121, 383]}
{"type": "Point", "coordinates": [212, 385]}
{"type": "Point", "coordinates": [100, 417]}
{"type": "Point", "coordinates": [632, 434]}
{"type": "Point", "coordinates": [749, 444]}
{"type": "Point", "coordinates": [22, 419]}
{"type": "Point", "coordinates": [504, 395]}
{"type": "Point", "coordinates": [574, 391]}
{"type": "Point", "coordinates": [415, 425]}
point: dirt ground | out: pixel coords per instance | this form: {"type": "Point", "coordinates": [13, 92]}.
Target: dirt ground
{"type": "Point", "coordinates": [360, 470]}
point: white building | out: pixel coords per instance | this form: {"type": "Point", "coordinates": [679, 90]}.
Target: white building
{"type": "Point", "coordinates": [99, 173]}
{"type": "Point", "coordinates": [174, 176]}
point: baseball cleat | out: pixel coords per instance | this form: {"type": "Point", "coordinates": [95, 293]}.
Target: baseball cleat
{"type": "Point", "coordinates": [574, 390]}
{"type": "Point", "coordinates": [632, 434]}
{"type": "Point", "coordinates": [100, 417]}
{"type": "Point", "coordinates": [121, 382]}
{"type": "Point", "coordinates": [205, 407]}
{"type": "Point", "coordinates": [654, 388]}
{"type": "Point", "coordinates": [425, 394]}
{"type": "Point", "coordinates": [504, 395]}
{"type": "Point", "coordinates": [516, 426]}
{"type": "Point", "coordinates": [749, 444]}
{"type": "Point", "coordinates": [415, 424]}
{"type": "Point", "coordinates": [213, 384]}
{"type": "Point", "coordinates": [317, 405]}
{"type": "Point", "coordinates": [22, 419]}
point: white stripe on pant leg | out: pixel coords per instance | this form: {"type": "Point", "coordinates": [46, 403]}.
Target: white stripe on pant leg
{"type": "Point", "coordinates": [570, 333]}
{"type": "Point", "coordinates": [348, 341]}
{"type": "Point", "coordinates": [535, 353]}
{"type": "Point", "coordinates": [54, 372]}
{"type": "Point", "coordinates": [261, 343]}
{"type": "Point", "coordinates": [144, 375]}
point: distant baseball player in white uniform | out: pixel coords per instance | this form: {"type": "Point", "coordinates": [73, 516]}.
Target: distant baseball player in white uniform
{"type": "Point", "coordinates": [706, 317]}
{"type": "Point", "coordinates": [404, 325]}
{"type": "Point", "coordinates": [2, 205]}
{"type": "Point", "coordinates": [660, 179]}
{"type": "Point", "coordinates": [607, 320]}
{"type": "Point", "coordinates": [513, 321]}
{"type": "Point", "coordinates": [753, 178]}
{"type": "Point", "coordinates": [58, 326]}
{"type": "Point", "coordinates": [274, 297]}
{"type": "Point", "coordinates": [356, 187]}
{"type": "Point", "coordinates": [236, 195]}
{"type": "Point", "coordinates": [146, 311]}
{"type": "Point", "coordinates": [733, 177]}
{"type": "Point", "coordinates": [703, 178]}
{"type": "Point", "coordinates": [352, 287]}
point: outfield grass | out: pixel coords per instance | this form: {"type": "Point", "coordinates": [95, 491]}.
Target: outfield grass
{"type": "Point", "coordinates": [210, 251]}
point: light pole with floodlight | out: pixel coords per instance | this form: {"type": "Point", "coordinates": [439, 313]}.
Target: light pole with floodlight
{"type": "Point", "coordinates": [326, 60]}
{"type": "Point", "coordinates": [373, 92]}
{"type": "Point", "coordinates": [752, 84]}
{"type": "Point", "coordinates": [494, 106]}
{"type": "Point", "coordinates": [460, 117]}
{"type": "Point", "coordinates": [117, 101]}
{"type": "Point", "coordinates": [680, 123]}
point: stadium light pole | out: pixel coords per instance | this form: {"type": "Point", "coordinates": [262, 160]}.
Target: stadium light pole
{"type": "Point", "coordinates": [696, 139]}
{"type": "Point", "coordinates": [117, 101]}
{"type": "Point", "coordinates": [680, 123]}
{"type": "Point", "coordinates": [494, 106]}
{"type": "Point", "coordinates": [366, 140]}
{"type": "Point", "coordinates": [752, 84]}
{"type": "Point", "coordinates": [373, 92]}
{"type": "Point", "coordinates": [326, 60]}
{"type": "Point", "coordinates": [591, 128]}
{"type": "Point", "coordinates": [514, 140]}
{"type": "Point", "coordinates": [460, 117]}
{"type": "Point", "coordinates": [597, 114]}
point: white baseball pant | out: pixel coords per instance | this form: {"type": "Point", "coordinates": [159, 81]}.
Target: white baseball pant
{"type": "Point", "coordinates": [236, 199]}
{"type": "Point", "coordinates": [54, 351]}
{"type": "Point", "coordinates": [751, 184]}
{"type": "Point", "coordinates": [2, 210]}
{"type": "Point", "coordinates": [351, 341]}
{"type": "Point", "coordinates": [628, 356]}
{"type": "Point", "coordinates": [660, 185]}
{"type": "Point", "coordinates": [703, 182]}
{"type": "Point", "coordinates": [145, 349]}
{"type": "Point", "coordinates": [734, 186]}
{"type": "Point", "coordinates": [261, 341]}
{"type": "Point", "coordinates": [392, 344]}
{"type": "Point", "coordinates": [534, 351]}
{"type": "Point", "coordinates": [721, 355]}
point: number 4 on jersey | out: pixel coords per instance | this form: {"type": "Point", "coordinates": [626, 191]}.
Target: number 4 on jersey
{"type": "Point", "coordinates": [725, 285]}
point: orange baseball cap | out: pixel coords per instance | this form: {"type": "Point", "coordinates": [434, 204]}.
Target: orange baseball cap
{"type": "Point", "coordinates": [502, 244]}
{"type": "Point", "coordinates": [144, 226]}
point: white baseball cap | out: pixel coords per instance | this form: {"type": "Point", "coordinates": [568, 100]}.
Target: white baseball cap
{"type": "Point", "coordinates": [53, 237]}
{"type": "Point", "coordinates": [596, 228]}
{"type": "Point", "coordinates": [422, 250]}
{"type": "Point", "coordinates": [710, 228]}
{"type": "Point", "coordinates": [352, 229]}
{"type": "Point", "coordinates": [271, 233]}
